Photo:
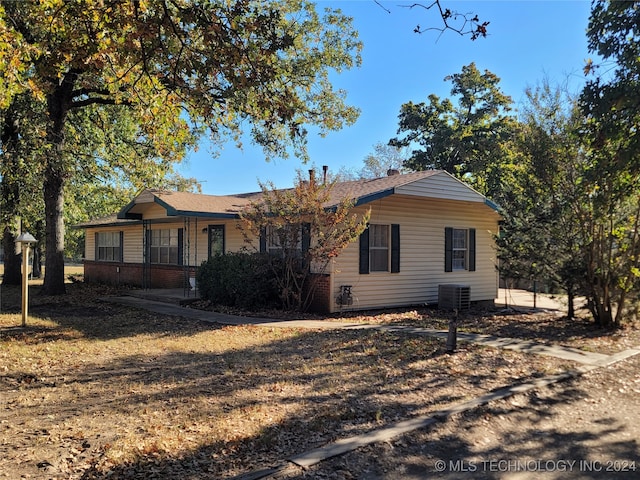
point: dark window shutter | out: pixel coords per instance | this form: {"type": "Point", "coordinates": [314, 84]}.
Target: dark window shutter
{"type": "Point", "coordinates": [96, 247]}
{"type": "Point", "coordinates": [306, 237]}
{"type": "Point", "coordinates": [364, 251]}
{"type": "Point", "coordinates": [121, 259]}
{"type": "Point", "coordinates": [472, 249]}
{"type": "Point", "coordinates": [395, 248]}
{"type": "Point", "coordinates": [448, 249]}
{"type": "Point", "coordinates": [180, 246]}
{"type": "Point", "coordinates": [263, 240]}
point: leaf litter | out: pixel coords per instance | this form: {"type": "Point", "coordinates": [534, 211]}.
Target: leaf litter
{"type": "Point", "coordinates": [96, 390]}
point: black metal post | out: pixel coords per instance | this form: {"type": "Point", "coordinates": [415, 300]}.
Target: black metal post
{"type": "Point", "coordinates": [452, 335]}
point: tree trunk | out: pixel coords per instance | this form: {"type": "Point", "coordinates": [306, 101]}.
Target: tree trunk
{"type": "Point", "coordinates": [36, 270]}
{"type": "Point", "coordinates": [58, 103]}
{"type": "Point", "coordinates": [12, 264]}
{"type": "Point", "coordinates": [571, 310]}
{"type": "Point", "coordinates": [54, 234]}
{"type": "Point", "coordinates": [9, 138]}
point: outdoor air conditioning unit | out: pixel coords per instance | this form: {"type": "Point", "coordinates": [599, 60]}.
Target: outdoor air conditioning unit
{"type": "Point", "coordinates": [452, 296]}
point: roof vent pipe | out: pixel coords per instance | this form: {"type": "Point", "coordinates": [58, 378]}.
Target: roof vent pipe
{"type": "Point", "coordinates": [325, 168]}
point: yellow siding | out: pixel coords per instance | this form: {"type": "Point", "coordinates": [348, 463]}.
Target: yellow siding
{"type": "Point", "coordinates": [90, 245]}
{"type": "Point", "coordinates": [422, 222]}
{"type": "Point", "coordinates": [422, 219]}
{"type": "Point", "coordinates": [442, 186]}
{"type": "Point", "coordinates": [133, 243]}
{"type": "Point", "coordinates": [195, 239]}
{"type": "Point", "coordinates": [196, 247]}
{"type": "Point", "coordinates": [154, 211]}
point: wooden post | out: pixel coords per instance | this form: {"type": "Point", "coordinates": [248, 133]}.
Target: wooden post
{"type": "Point", "coordinates": [25, 282]}
{"type": "Point", "coordinates": [25, 239]}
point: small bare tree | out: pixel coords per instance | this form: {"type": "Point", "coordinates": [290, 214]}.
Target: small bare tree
{"type": "Point", "coordinates": [302, 228]}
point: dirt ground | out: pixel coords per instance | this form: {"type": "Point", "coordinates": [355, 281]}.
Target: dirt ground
{"type": "Point", "coordinates": [93, 391]}
{"type": "Point", "coordinates": [586, 428]}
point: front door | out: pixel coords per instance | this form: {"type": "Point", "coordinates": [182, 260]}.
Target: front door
{"type": "Point", "coordinates": [216, 240]}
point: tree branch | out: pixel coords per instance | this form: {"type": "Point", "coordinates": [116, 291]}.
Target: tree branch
{"type": "Point", "coordinates": [381, 6]}
{"type": "Point", "coordinates": [97, 101]}
{"type": "Point", "coordinates": [81, 92]}
{"type": "Point", "coordinates": [470, 26]}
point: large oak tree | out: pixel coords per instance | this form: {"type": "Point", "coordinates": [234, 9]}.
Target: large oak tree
{"type": "Point", "coordinates": [180, 68]}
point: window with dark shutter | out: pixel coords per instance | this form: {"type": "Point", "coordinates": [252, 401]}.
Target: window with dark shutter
{"type": "Point", "coordinates": [380, 249]}
{"type": "Point", "coordinates": [472, 250]}
{"type": "Point", "coordinates": [306, 237]}
{"type": "Point", "coordinates": [448, 249]}
{"type": "Point", "coordinates": [263, 240]}
{"type": "Point", "coordinates": [364, 251]}
{"type": "Point", "coordinates": [395, 248]}
{"type": "Point", "coordinates": [180, 252]}
{"type": "Point", "coordinates": [459, 249]}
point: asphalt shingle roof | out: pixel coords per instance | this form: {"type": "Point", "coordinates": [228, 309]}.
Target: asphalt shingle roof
{"type": "Point", "coordinates": [358, 190]}
{"type": "Point", "coordinates": [229, 206]}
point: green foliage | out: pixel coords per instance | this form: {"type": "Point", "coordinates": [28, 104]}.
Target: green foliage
{"type": "Point", "coordinates": [465, 140]}
{"type": "Point", "coordinates": [571, 213]}
{"type": "Point", "coordinates": [240, 279]}
{"type": "Point", "coordinates": [545, 232]}
{"type": "Point", "coordinates": [611, 174]}
{"type": "Point", "coordinates": [128, 86]}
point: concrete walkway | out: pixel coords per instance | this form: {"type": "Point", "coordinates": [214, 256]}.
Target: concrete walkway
{"type": "Point", "coordinates": [589, 361]}
{"type": "Point", "coordinates": [507, 298]}
{"type": "Point", "coordinates": [523, 346]}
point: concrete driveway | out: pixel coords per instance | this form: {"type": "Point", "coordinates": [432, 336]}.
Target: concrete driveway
{"type": "Point", "coordinates": [525, 299]}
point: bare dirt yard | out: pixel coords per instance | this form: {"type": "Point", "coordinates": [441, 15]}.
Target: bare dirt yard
{"type": "Point", "coordinates": [95, 390]}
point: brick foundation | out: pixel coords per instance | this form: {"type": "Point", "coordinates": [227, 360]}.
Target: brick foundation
{"type": "Point", "coordinates": [321, 302]}
{"type": "Point", "coordinates": [174, 276]}
{"type": "Point", "coordinates": [114, 273]}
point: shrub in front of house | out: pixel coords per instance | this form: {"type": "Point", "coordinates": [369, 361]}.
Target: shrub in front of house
{"type": "Point", "coordinates": [242, 279]}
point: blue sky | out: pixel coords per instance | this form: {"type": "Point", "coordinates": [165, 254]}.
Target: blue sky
{"type": "Point", "coordinates": [528, 41]}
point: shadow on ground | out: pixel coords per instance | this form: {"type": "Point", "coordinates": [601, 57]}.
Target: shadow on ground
{"type": "Point", "coordinates": [581, 429]}
{"type": "Point", "coordinates": [190, 410]}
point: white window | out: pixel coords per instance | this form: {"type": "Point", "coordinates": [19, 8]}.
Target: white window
{"type": "Point", "coordinates": [290, 236]}
{"type": "Point", "coordinates": [459, 247]}
{"type": "Point", "coordinates": [108, 248]}
{"type": "Point", "coordinates": [379, 248]}
{"type": "Point", "coordinates": [164, 246]}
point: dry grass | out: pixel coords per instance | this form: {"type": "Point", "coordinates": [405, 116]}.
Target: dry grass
{"type": "Point", "coordinates": [552, 327]}
{"type": "Point", "coordinates": [71, 273]}
{"type": "Point", "coordinates": [95, 390]}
